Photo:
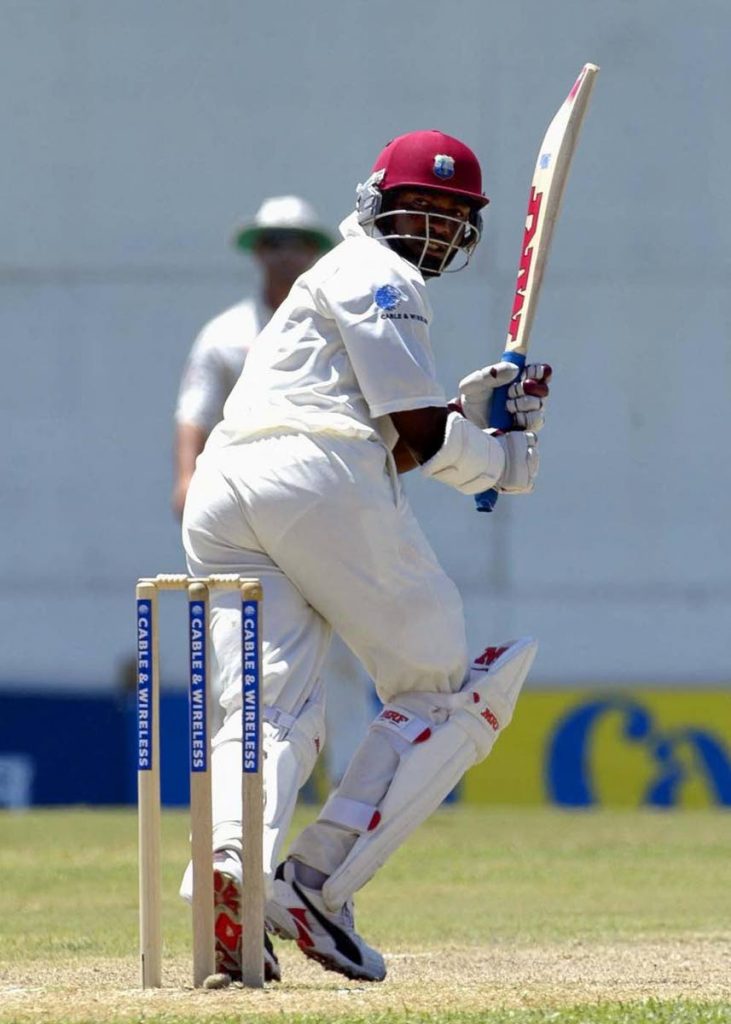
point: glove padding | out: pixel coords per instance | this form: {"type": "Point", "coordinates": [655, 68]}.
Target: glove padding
{"type": "Point", "coordinates": [526, 396]}
{"type": "Point", "coordinates": [521, 461]}
{"type": "Point", "coordinates": [473, 460]}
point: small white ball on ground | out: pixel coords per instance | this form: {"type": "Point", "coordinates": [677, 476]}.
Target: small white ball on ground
{"type": "Point", "coordinates": [217, 981]}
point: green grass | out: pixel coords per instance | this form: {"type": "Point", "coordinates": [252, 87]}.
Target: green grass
{"type": "Point", "coordinates": [548, 876]}
{"type": "Point", "coordinates": [651, 1012]}
{"type": "Point", "coordinates": [491, 915]}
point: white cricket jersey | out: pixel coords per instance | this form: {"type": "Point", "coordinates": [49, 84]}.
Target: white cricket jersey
{"type": "Point", "coordinates": [349, 345]}
{"type": "Point", "coordinates": [215, 363]}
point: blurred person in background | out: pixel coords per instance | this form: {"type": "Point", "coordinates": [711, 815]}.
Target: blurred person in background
{"type": "Point", "coordinates": [284, 238]}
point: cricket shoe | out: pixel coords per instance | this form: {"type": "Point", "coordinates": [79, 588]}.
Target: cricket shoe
{"type": "Point", "coordinates": [227, 926]}
{"type": "Point", "coordinates": [299, 913]}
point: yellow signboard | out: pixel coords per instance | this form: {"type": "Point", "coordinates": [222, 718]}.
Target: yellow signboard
{"type": "Point", "coordinates": [639, 748]}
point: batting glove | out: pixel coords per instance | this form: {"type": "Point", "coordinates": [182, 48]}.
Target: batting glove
{"type": "Point", "coordinates": [526, 396]}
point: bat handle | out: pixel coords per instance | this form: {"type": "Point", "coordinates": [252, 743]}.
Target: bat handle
{"type": "Point", "coordinates": [502, 420]}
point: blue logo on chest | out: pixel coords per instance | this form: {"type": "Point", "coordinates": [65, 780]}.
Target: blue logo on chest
{"type": "Point", "coordinates": [387, 297]}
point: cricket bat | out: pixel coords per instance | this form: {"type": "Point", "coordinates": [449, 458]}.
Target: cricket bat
{"type": "Point", "coordinates": [544, 204]}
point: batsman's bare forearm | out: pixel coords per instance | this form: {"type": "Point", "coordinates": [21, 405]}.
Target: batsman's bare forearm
{"type": "Point", "coordinates": [421, 435]}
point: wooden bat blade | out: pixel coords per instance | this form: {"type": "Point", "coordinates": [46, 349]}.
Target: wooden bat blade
{"type": "Point", "coordinates": [544, 204]}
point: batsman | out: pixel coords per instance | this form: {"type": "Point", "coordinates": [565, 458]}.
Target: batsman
{"type": "Point", "coordinates": [299, 485]}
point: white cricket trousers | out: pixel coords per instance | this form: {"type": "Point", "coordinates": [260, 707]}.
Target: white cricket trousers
{"type": "Point", "coordinates": [325, 524]}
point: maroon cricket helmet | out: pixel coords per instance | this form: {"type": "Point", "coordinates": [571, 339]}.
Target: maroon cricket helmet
{"type": "Point", "coordinates": [430, 159]}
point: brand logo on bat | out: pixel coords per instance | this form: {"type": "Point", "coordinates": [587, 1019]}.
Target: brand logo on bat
{"type": "Point", "coordinates": [526, 261]}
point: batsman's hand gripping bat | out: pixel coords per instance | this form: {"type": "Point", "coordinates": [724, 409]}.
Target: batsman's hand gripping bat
{"type": "Point", "coordinates": [544, 203]}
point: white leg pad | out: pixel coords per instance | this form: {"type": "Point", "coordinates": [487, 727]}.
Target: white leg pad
{"type": "Point", "coordinates": [291, 746]}
{"type": "Point", "coordinates": [291, 752]}
{"type": "Point", "coordinates": [439, 736]}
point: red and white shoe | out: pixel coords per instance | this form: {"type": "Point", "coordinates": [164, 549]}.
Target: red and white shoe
{"type": "Point", "coordinates": [227, 904]}
{"type": "Point", "coordinates": [299, 913]}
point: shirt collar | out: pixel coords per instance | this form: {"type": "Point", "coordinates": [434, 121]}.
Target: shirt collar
{"type": "Point", "coordinates": [351, 228]}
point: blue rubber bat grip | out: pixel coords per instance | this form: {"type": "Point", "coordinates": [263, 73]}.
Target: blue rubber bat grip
{"type": "Point", "coordinates": [502, 420]}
